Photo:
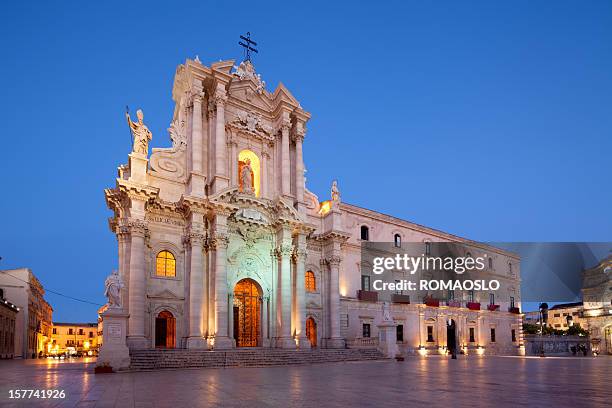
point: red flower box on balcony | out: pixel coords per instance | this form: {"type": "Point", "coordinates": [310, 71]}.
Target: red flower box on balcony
{"type": "Point", "coordinates": [473, 305]}
{"type": "Point", "coordinates": [514, 310]}
{"type": "Point", "coordinates": [367, 295]}
{"type": "Point", "coordinates": [493, 308]}
{"type": "Point", "coordinates": [432, 302]}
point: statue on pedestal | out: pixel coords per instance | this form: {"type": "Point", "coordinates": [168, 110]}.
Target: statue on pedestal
{"type": "Point", "coordinates": [140, 133]}
{"type": "Point", "coordinates": [335, 193]}
{"type": "Point", "coordinates": [386, 312]}
{"type": "Point", "coordinates": [112, 291]}
{"type": "Point", "coordinates": [246, 177]}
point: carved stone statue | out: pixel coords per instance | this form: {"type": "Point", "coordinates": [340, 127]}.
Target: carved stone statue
{"type": "Point", "coordinates": [112, 291]}
{"type": "Point", "coordinates": [246, 177]}
{"type": "Point", "coordinates": [386, 312]}
{"type": "Point", "coordinates": [335, 193]}
{"type": "Point", "coordinates": [140, 132]}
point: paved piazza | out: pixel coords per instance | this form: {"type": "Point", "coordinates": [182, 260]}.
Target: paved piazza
{"type": "Point", "coordinates": [427, 382]}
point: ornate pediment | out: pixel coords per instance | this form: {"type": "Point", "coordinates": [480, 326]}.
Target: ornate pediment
{"type": "Point", "coordinates": [165, 294]}
{"type": "Point", "coordinates": [246, 71]}
{"type": "Point", "coordinates": [252, 124]}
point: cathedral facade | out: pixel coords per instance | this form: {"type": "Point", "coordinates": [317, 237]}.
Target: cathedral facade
{"type": "Point", "coordinates": [221, 245]}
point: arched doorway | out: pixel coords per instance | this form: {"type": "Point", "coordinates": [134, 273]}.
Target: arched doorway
{"type": "Point", "coordinates": [311, 331]}
{"type": "Point", "coordinates": [247, 314]}
{"type": "Point", "coordinates": [165, 330]}
{"type": "Point", "coordinates": [451, 336]}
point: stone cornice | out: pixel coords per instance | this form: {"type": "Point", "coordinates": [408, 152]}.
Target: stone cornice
{"type": "Point", "coordinates": [333, 236]}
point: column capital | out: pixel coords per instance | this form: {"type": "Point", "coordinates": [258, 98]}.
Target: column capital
{"type": "Point", "coordinates": [133, 226]}
{"type": "Point", "coordinates": [334, 260]}
{"type": "Point", "coordinates": [220, 96]}
{"type": "Point", "coordinates": [300, 253]}
{"type": "Point", "coordinates": [219, 241]}
{"type": "Point", "coordinates": [195, 239]}
{"type": "Point", "coordinates": [283, 251]}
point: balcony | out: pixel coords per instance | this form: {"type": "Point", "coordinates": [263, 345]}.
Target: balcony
{"type": "Point", "coordinates": [431, 302]}
{"type": "Point", "coordinates": [473, 305]}
{"type": "Point", "coordinates": [397, 298]}
{"type": "Point", "coordinates": [514, 310]}
{"type": "Point", "coordinates": [453, 303]}
{"type": "Point", "coordinates": [367, 295]}
{"type": "Point", "coordinates": [493, 308]}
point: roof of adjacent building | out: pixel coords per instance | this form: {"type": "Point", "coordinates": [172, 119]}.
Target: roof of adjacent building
{"type": "Point", "coordinates": [566, 305]}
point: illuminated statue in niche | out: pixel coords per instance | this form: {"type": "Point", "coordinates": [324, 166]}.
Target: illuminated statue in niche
{"type": "Point", "coordinates": [140, 132]}
{"type": "Point", "coordinates": [246, 177]}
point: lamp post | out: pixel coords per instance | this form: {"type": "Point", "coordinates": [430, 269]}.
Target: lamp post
{"type": "Point", "coordinates": [543, 320]}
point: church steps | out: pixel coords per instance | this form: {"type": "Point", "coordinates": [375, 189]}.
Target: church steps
{"type": "Point", "coordinates": [181, 358]}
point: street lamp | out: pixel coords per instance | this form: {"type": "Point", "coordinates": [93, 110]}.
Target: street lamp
{"type": "Point", "coordinates": [543, 320]}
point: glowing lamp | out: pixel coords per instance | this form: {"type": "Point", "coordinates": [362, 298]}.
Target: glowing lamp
{"type": "Point", "coordinates": [325, 207]}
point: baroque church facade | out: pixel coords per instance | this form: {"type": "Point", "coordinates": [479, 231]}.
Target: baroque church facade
{"type": "Point", "coordinates": [221, 245]}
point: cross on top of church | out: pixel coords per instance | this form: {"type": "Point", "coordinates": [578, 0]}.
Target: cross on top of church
{"type": "Point", "coordinates": [247, 47]}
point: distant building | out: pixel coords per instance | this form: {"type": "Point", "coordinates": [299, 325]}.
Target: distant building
{"type": "Point", "coordinates": [597, 297]}
{"type": "Point", "coordinates": [561, 316]}
{"type": "Point", "coordinates": [594, 313]}
{"type": "Point", "coordinates": [8, 316]}
{"type": "Point", "coordinates": [81, 337]}
{"type": "Point", "coordinates": [33, 323]}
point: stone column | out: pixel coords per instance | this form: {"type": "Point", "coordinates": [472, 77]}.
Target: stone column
{"type": "Point", "coordinates": [222, 340]}
{"type": "Point", "coordinates": [137, 286]}
{"type": "Point", "coordinates": [300, 292]}
{"type": "Point", "coordinates": [234, 163]}
{"type": "Point", "coordinates": [285, 170]}
{"type": "Point", "coordinates": [221, 176]}
{"type": "Point", "coordinates": [124, 259]}
{"type": "Point", "coordinates": [196, 290]}
{"type": "Point", "coordinates": [283, 253]}
{"type": "Point", "coordinates": [264, 173]}
{"type": "Point", "coordinates": [336, 341]}
{"type": "Point", "coordinates": [196, 178]}
{"type": "Point", "coordinates": [299, 167]}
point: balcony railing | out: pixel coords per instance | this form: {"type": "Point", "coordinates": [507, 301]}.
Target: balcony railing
{"type": "Point", "coordinates": [493, 308]}
{"type": "Point", "coordinates": [397, 298]}
{"type": "Point", "coordinates": [367, 295]}
{"type": "Point", "coordinates": [453, 303]}
{"type": "Point", "coordinates": [473, 305]}
{"type": "Point", "coordinates": [514, 310]}
{"type": "Point", "coordinates": [363, 342]}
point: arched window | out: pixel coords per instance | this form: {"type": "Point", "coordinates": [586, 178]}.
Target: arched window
{"type": "Point", "coordinates": [427, 248]}
{"type": "Point", "coordinates": [311, 281]}
{"type": "Point", "coordinates": [165, 264]}
{"type": "Point", "coordinates": [490, 263]}
{"type": "Point", "coordinates": [365, 233]}
{"type": "Point", "coordinates": [510, 267]}
{"type": "Point", "coordinates": [397, 240]}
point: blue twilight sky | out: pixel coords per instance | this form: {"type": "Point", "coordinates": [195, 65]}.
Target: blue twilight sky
{"type": "Point", "coordinates": [490, 120]}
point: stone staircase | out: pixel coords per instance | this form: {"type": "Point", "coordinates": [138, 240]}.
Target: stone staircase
{"type": "Point", "coordinates": [154, 359]}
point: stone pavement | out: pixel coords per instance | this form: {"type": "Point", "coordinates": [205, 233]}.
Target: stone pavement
{"type": "Point", "coordinates": [417, 382]}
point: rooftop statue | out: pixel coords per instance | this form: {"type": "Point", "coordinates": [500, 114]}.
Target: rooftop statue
{"type": "Point", "coordinates": [140, 133]}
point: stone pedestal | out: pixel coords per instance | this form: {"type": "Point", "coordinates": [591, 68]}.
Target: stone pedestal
{"type": "Point", "coordinates": [196, 343]}
{"type": "Point", "coordinates": [387, 342]}
{"type": "Point", "coordinates": [303, 343]}
{"type": "Point", "coordinates": [138, 167]}
{"type": "Point", "coordinates": [285, 343]}
{"type": "Point", "coordinates": [114, 351]}
{"type": "Point", "coordinates": [335, 343]}
{"type": "Point", "coordinates": [223, 343]}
